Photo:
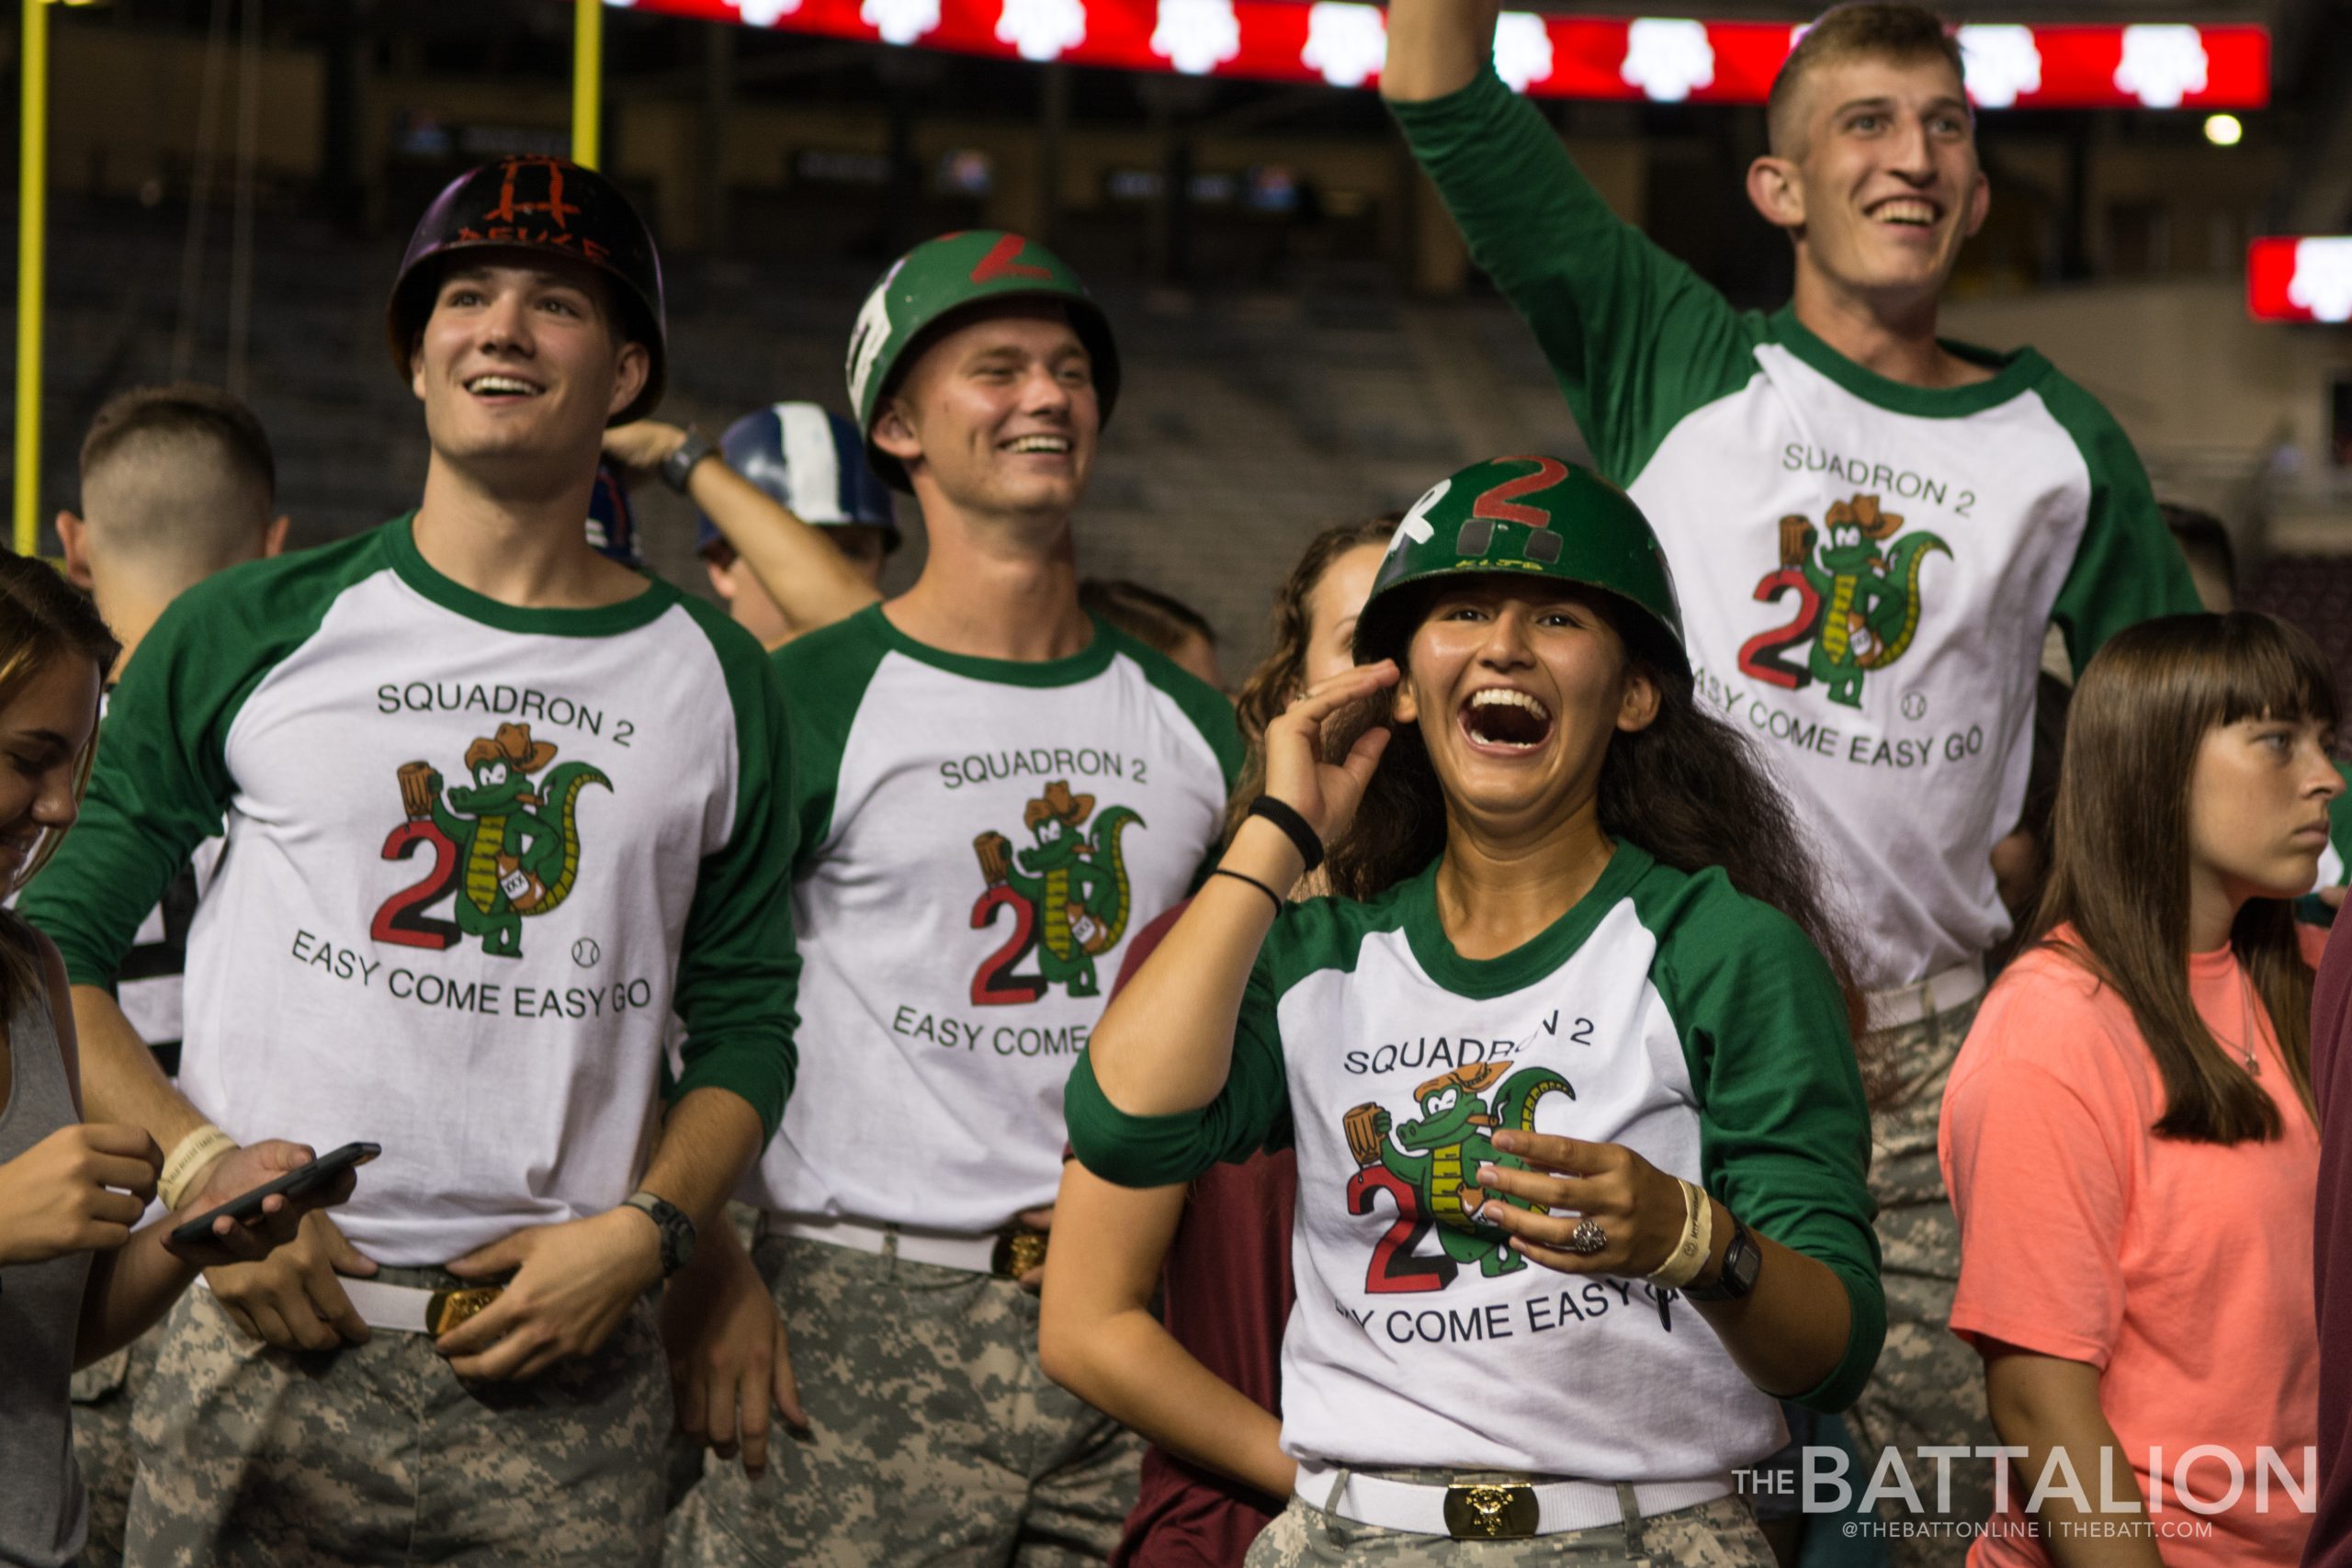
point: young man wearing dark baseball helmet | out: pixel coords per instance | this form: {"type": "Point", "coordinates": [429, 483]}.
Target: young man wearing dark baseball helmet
{"type": "Point", "coordinates": [498, 806]}
{"type": "Point", "coordinates": [995, 791]}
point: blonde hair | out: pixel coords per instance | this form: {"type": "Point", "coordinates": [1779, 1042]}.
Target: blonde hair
{"type": "Point", "coordinates": [1870, 30]}
{"type": "Point", "coordinates": [43, 618]}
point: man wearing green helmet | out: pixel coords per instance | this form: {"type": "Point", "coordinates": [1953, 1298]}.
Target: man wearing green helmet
{"type": "Point", "coordinates": [1576, 1004]}
{"type": "Point", "coordinates": [996, 790]}
{"type": "Point", "coordinates": [1875, 528]}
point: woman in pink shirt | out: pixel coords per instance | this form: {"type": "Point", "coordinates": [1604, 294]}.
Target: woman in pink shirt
{"type": "Point", "coordinates": [2128, 1131]}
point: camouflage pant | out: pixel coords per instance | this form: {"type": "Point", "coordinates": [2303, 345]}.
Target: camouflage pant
{"type": "Point", "coordinates": [1721, 1534]}
{"type": "Point", "coordinates": [104, 1394]}
{"type": "Point", "coordinates": [255, 1458]}
{"type": "Point", "coordinates": [936, 1436]}
{"type": "Point", "coordinates": [1930, 1386]}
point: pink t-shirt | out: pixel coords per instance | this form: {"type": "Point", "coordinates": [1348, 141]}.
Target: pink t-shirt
{"type": "Point", "coordinates": [2181, 1270]}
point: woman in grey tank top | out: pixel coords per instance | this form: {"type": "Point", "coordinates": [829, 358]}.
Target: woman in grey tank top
{"type": "Point", "coordinates": [74, 1280]}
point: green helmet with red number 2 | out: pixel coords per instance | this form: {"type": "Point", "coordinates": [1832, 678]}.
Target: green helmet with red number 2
{"type": "Point", "coordinates": [1526, 517]}
{"type": "Point", "coordinates": [947, 277]}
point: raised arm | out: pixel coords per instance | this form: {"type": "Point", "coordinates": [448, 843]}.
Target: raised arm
{"type": "Point", "coordinates": [812, 582]}
{"type": "Point", "coordinates": [1435, 47]}
{"type": "Point", "coordinates": [1165, 1045]}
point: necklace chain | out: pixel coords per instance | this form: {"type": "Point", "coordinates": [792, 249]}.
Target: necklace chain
{"type": "Point", "coordinates": [2246, 1015]}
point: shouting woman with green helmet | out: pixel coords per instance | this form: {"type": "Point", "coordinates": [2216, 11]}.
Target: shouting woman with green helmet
{"type": "Point", "coordinates": [1581, 1136]}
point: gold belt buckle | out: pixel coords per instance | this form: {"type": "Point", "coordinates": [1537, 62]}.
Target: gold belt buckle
{"type": "Point", "coordinates": [1490, 1510]}
{"type": "Point", "coordinates": [449, 1308]}
{"type": "Point", "coordinates": [1017, 1251]}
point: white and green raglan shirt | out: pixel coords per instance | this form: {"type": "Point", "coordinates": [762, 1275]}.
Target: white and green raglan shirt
{"type": "Point", "coordinates": [1665, 1013]}
{"type": "Point", "coordinates": [476, 855]}
{"type": "Point", "coordinates": [978, 839]}
{"type": "Point", "coordinates": [1865, 568]}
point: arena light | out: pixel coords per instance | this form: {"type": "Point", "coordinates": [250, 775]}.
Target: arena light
{"type": "Point", "coordinates": [2224, 129]}
{"type": "Point", "coordinates": [1665, 60]}
{"type": "Point", "coordinates": [2300, 279]}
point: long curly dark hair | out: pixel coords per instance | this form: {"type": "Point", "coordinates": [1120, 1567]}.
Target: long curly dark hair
{"type": "Point", "coordinates": [1688, 788]}
{"type": "Point", "coordinates": [1275, 683]}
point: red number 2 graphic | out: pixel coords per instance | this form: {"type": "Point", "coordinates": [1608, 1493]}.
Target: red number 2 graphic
{"type": "Point", "coordinates": [398, 921]}
{"type": "Point", "coordinates": [1760, 656]}
{"type": "Point", "coordinates": [1500, 504]}
{"type": "Point", "coordinates": [994, 985]}
{"type": "Point", "coordinates": [1394, 1270]}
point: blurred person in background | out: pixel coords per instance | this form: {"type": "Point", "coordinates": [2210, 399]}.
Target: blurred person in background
{"type": "Point", "coordinates": [77, 1281]}
{"type": "Point", "coordinates": [177, 482]}
{"type": "Point", "coordinates": [2204, 541]}
{"type": "Point", "coordinates": [1156, 620]}
{"type": "Point", "coordinates": [1873, 527]}
{"type": "Point", "coordinates": [995, 790]}
{"type": "Point", "coordinates": [2128, 1134]}
{"type": "Point", "coordinates": [465, 1360]}
{"type": "Point", "coordinates": [1201, 1375]}
{"type": "Point", "coordinates": [791, 521]}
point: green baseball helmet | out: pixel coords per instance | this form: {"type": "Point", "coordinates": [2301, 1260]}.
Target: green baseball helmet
{"type": "Point", "coordinates": [1525, 517]}
{"type": "Point", "coordinates": [942, 277]}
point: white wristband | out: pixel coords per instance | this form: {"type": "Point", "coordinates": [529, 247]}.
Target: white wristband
{"type": "Point", "coordinates": [1690, 1255]}
{"type": "Point", "coordinates": [188, 1158]}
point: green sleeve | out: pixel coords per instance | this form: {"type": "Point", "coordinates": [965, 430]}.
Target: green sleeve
{"type": "Point", "coordinates": [1251, 1112]}
{"type": "Point", "coordinates": [739, 973]}
{"type": "Point", "coordinates": [1635, 338]}
{"type": "Point", "coordinates": [824, 676]}
{"type": "Point", "coordinates": [161, 784]}
{"type": "Point", "coordinates": [2128, 569]}
{"type": "Point", "coordinates": [1784, 1133]}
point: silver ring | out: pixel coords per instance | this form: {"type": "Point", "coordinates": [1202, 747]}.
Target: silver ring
{"type": "Point", "coordinates": [1586, 1239]}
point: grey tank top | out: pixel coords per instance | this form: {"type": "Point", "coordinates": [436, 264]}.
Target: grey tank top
{"type": "Point", "coordinates": [42, 1511]}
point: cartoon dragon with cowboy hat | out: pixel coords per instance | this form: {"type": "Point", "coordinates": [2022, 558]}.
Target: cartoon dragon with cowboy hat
{"type": "Point", "coordinates": [1077, 885]}
{"type": "Point", "coordinates": [519, 844]}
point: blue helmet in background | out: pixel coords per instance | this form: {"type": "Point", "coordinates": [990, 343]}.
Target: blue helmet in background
{"type": "Point", "coordinates": [612, 522]}
{"type": "Point", "coordinates": [811, 463]}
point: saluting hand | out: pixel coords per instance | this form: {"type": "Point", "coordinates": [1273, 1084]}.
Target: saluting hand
{"type": "Point", "coordinates": [1325, 793]}
{"type": "Point", "coordinates": [641, 445]}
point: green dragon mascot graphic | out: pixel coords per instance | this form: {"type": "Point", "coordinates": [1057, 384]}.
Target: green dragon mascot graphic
{"type": "Point", "coordinates": [1437, 1155]}
{"type": "Point", "coordinates": [1077, 884]}
{"type": "Point", "coordinates": [1870, 600]}
{"type": "Point", "coordinates": [517, 839]}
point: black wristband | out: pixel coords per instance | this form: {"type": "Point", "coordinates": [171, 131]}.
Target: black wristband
{"type": "Point", "coordinates": [1275, 898]}
{"type": "Point", "coordinates": [1295, 827]}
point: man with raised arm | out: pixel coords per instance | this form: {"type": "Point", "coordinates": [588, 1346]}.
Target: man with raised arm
{"type": "Point", "coordinates": [995, 791]}
{"type": "Point", "coordinates": [1872, 528]}
{"type": "Point", "coordinates": [497, 807]}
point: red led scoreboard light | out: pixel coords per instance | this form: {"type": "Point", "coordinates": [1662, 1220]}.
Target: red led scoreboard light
{"type": "Point", "coordinates": [1665, 60]}
{"type": "Point", "coordinates": [2299, 279]}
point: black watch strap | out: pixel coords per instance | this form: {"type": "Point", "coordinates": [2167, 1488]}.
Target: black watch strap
{"type": "Point", "coordinates": [1743, 1259]}
{"type": "Point", "coordinates": [677, 1229]}
{"type": "Point", "coordinates": [681, 463]}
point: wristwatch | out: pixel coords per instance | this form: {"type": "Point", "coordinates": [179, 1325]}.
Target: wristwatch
{"type": "Point", "coordinates": [679, 464]}
{"type": "Point", "coordinates": [1742, 1259]}
{"type": "Point", "coordinates": [678, 1231]}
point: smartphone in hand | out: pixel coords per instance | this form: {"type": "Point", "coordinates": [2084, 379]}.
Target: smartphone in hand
{"type": "Point", "coordinates": [298, 1183]}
